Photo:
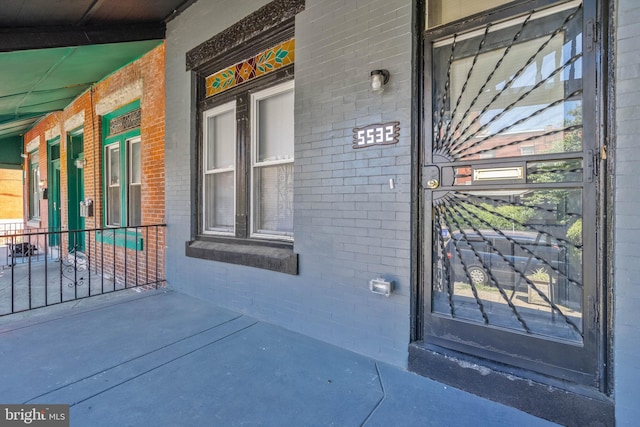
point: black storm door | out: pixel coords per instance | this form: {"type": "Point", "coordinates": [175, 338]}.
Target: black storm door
{"type": "Point", "coordinates": [509, 191]}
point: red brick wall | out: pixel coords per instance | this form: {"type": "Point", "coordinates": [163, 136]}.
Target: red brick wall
{"type": "Point", "coordinates": [49, 122]}
{"type": "Point", "coordinates": [149, 70]}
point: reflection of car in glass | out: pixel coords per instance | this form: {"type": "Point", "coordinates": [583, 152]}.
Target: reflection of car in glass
{"type": "Point", "coordinates": [487, 251]}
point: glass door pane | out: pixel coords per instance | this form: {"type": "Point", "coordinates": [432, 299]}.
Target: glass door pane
{"type": "Point", "coordinates": [511, 258]}
{"type": "Point", "coordinates": [510, 92]}
{"type": "Point", "coordinates": [113, 185]}
{"type": "Point", "coordinates": [443, 11]}
{"type": "Point", "coordinates": [507, 176]}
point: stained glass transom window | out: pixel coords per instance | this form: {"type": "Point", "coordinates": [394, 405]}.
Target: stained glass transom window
{"type": "Point", "coordinates": [258, 65]}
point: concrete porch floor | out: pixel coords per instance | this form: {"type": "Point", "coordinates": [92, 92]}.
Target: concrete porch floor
{"type": "Point", "coordinates": [161, 358]}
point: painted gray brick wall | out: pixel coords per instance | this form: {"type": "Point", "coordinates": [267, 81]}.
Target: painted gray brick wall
{"type": "Point", "coordinates": [349, 225]}
{"type": "Point", "coordinates": [627, 217]}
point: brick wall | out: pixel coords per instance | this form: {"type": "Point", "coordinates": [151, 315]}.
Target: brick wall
{"type": "Point", "coordinates": [142, 79]}
{"type": "Point", "coordinates": [349, 225]}
{"type": "Point", "coordinates": [347, 219]}
{"type": "Point", "coordinates": [627, 207]}
{"type": "Point", "coordinates": [46, 129]}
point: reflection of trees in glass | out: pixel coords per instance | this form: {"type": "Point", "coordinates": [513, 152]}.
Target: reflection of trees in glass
{"type": "Point", "coordinates": [574, 233]}
{"type": "Point", "coordinates": [572, 141]}
{"type": "Point", "coordinates": [558, 208]}
{"type": "Point", "coordinates": [560, 171]}
{"type": "Point", "coordinates": [502, 217]}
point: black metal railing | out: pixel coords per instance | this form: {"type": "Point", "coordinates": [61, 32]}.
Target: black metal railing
{"type": "Point", "coordinates": [43, 268]}
{"type": "Point", "coordinates": [9, 228]}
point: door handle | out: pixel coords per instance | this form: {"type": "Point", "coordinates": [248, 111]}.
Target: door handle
{"type": "Point", "coordinates": [431, 177]}
{"type": "Point", "coordinates": [432, 184]}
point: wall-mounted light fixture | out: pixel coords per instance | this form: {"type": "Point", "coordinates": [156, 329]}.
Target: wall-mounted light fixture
{"type": "Point", "coordinates": [24, 155]}
{"type": "Point", "coordinates": [42, 184]}
{"type": "Point", "coordinates": [80, 163]}
{"type": "Point", "coordinates": [379, 78]}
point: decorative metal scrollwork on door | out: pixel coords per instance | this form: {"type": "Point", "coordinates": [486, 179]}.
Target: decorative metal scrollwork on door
{"type": "Point", "coordinates": [507, 171]}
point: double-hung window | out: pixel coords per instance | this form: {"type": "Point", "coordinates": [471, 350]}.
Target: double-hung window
{"type": "Point", "coordinates": [247, 171]}
{"type": "Point", "coordinates": [34, 186]}
{"type": "Point", "coordinates": [272, 161]}
{"type": "Point", "coordinates": [123, 167]}
{"type": "Point", "coordinates": [134, 179]}
{"type": "Point", "coordinates": [219, 169]}
{"type": "Point", "coordinates": [123, 200]}
{"type": "Point", "coordinates": [243, 188]}
{"type": "Point", "coordinates": [114, 193]}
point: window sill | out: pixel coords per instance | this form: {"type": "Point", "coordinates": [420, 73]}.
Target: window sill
{"type": "Point", "coordinates": [34, 222]}
{"type": "Point", "coordinates": [275, 258]}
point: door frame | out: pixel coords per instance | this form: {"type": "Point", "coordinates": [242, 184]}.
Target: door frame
{"type": "Point", "coordinates": [54, 180]}
{"type": "Point", "coordinates": [75, 152]}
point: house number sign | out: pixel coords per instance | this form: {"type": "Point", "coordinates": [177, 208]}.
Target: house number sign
{"type": "Point", "coordinates": [376, 134]}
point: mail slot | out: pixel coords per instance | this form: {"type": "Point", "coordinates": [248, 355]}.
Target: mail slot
{"type": "Point", "coordinates": [499, 174]}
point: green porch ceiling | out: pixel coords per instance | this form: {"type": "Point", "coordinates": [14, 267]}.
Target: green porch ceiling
{"type": "Point", "coordinates": [52, 51]}
{"type": "Point", "coordinates": [10, 150]}
{"type": "Point", "coordinates": [34, 83]}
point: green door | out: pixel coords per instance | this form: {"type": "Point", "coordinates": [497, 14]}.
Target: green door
{"type": "Point", "coordinates": [75, 187]}
{"type": "Point", "coordinates": [54, 202]}
{"type": "Point", "coordinates": [79, 237]}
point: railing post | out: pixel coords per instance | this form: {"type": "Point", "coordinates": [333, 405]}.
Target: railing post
{"type": "Point", "coordinates": [60, 277]}
{"type": "Point", "coordinates": [146, 255]}
{"type": "Point", "coordinates": [29, 263]}
{"type": "Point", "coordinates": [95, 236]}
{"type": "Point", "coordinates": [46, 273]}
{"type": "Point", "coordinates": [135, 243]}
{"type": "Point", "coordinates": [156, 257]}
{"type": "Point", "coordinates": [87, 243]}
{"type": "Point", "coordinates": [125, 256]}
{"type": "Point", "coordinates": [75, 266]}
{"type": "Point", "coordinates": [13, 265]}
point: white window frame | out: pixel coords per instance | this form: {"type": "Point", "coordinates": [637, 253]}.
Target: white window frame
{"type": "Point", "coordinates": [129, 142]}
{"type": "Point", "coordinates": [255, 98]}
{"type": "Point", "coordinates": [34, 188]}
{"type": "Point", "coordinates": [107, 152]}
{"type": "Point", "coordinates": [221, 109]}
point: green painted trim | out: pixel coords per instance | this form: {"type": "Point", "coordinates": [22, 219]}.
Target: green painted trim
{"type": "Point", "coordinates": [75, 188]}
{"type": "Point", "coordinates": [10, 166]}
{"type": "Point", "coordinates": [120, 139]}
{"type": "Point", "coordinates": [131, 239]}
{"type": "Point", "coordinates": [10, 150]}
{"type": "Point", "coordinates": [77, 131]}
{"type": "Point", "coordinates": [117, 113]}
{"type": "Point", "coordinates": [54, 198]}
